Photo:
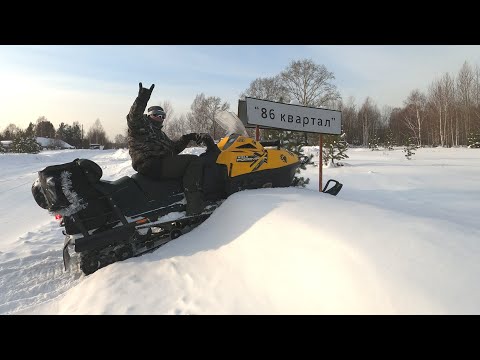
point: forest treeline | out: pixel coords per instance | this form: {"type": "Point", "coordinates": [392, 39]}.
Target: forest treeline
{"type": "Point", "coordinates": [446, 114]}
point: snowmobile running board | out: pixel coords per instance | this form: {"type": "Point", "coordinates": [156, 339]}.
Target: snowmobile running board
{"type": "Point", "coordinates": [335, 189]}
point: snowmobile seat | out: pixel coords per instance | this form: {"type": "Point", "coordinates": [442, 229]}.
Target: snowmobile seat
{"type": "Point", "coordinates": [159, 189]}
{"type": "Point", "coordinates": [125, 193]}
{"type": "Point", "coordinates": [110, 187]}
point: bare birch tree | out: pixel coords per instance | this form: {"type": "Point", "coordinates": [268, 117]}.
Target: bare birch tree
{"type": "Point", "coordinates": [449, 108]}
{"type": "Point", "coordinates": [168, 108]}
{"type": "Point", "coordinates": [175, 127]}
{"type": "Point", "coordinates": [202, 116]}
{"type": "Point", "coordinates": [269, 88]}
{"type": "Point", "coordinates": [465, 93]}
{"type": "Point", "coordinates": [349, 121]}
{"type": "Point", "coordinates": [476, 89]}
{"type": "Point", "coordinates": [476, 99]}
{"type": "Point", "coordinates": [414, 115]}
{"type": "Point", "coordinates": [435, 94]}
{"type": "Point", "coordinates": [96, 134]}
{"type": "Point", "coordinates": [369, 117]}
{"type": "Point", "coordinates": [310, 84]}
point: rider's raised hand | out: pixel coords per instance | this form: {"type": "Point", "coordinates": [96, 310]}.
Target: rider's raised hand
{"type": "Point", "coordinates": [144, 92]}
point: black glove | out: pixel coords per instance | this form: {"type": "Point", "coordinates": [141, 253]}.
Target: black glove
{"type": "Point", "coordinates": [190, 137]}
{"type": "Point", "coordinates": [144, 92]}
{"type": "Point", "coordinates": [206, 139]}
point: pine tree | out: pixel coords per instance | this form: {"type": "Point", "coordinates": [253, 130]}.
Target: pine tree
{"type": "Point", "coordinates": [390, 140]}
{"type": "Point", "coordinates": [473, 140]}
{"type": "Point", "coordinates": [294, 142]}
{"type": "Point", "coordinates": [25, 144]}
{"type": "Point", "coordinates": [2, 149]}
{"type": "Point", "coordinates": [30, 131]}
{"type": "Point", "coordinates": [334, 149]}
{"type": "Point", "coordinates": [373, 143]}
{"type": "Point", "coordinates": [409, 147]}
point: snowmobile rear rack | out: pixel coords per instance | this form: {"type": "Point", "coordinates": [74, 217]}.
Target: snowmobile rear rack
{"type": "Point", "coordinates": [335, 189]}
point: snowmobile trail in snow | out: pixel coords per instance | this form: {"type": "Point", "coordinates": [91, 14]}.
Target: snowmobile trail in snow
{"type": "Point", "coordinates": [31, 270]}
{"type": "Point", "coordinates": [33, 280]}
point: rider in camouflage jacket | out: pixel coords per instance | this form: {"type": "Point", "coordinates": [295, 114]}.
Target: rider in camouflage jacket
{"type": "Point", "coordinates": [155, 155]}
{"type": "Point", "coordinates": [146, 140]}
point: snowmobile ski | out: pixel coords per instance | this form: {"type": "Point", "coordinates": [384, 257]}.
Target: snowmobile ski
{"type": "Point", "coordinates": [335, 189]}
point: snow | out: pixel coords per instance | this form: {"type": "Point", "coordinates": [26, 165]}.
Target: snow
{"type": "Point", "coordinates": [400, 238]}
{"type": "Point", "coordinates": [46, 142]}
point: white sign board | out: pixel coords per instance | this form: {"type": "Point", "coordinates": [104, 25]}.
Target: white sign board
{"type": "Point", "coordinates": [293, 117]}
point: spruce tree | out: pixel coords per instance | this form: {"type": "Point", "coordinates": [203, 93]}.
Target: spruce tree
{"type": "Point", "coordinates": [409, 147]}
{"type": "Point", "coordinates": [390, 140]}
{"type": "Point", "coordinates": [373, 143]}
{"type": "Point", "coordinates": [25, 144]}
{"type": "Point", "coordinates": [294, 142]}
{"type": "Point", "coordinates": [473, 140]}
{"type": "Point", "coordinates": [335, 147]}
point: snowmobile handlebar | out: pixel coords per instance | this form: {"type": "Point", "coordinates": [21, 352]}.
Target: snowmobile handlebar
{"type": "Point", "coordinates": [205, 139]}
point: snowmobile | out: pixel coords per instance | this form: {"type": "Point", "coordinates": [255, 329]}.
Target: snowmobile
{"type": "Point", "coordinates": [109, 221]}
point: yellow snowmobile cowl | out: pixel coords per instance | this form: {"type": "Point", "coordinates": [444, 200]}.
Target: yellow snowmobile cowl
{"type": "Point", "coordinates": [243, 155]}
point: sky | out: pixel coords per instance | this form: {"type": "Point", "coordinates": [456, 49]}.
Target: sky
{"type": "Point", "coordinates": [67, 83]}
{"type": "Point", "coordinates": [401, 237]}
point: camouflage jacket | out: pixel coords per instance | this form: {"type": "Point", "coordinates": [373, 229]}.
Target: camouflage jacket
{"type": "Point", "coordinates": [146, 140]}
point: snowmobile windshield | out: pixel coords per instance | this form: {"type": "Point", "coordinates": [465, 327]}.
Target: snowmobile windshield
{"type": "Point", "coordinates": [230, 123]}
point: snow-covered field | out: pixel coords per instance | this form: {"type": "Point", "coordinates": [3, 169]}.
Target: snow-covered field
{"type": "Point", "coordinates": [402, 237]}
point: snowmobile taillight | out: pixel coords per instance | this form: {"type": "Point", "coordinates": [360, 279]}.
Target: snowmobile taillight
{"type": "Point", "coordinates": [141, 221]}
{"type": "Point", "coordinates": [58, 217]}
